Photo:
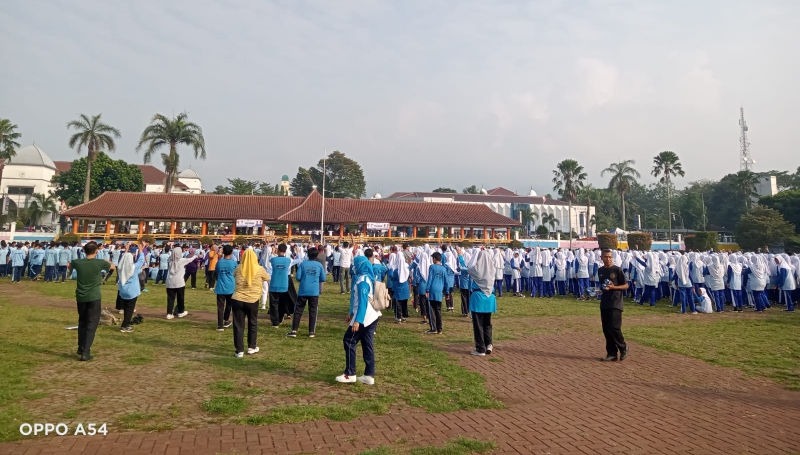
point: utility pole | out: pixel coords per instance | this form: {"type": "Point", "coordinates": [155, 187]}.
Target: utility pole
{"type": "Point", "coordinates": [703, 199]}
{"type": "Point", "coordinates": [322, 218]}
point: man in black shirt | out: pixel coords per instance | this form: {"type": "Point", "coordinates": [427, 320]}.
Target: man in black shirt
{"type": "Point", "coordinates": [612, 283]}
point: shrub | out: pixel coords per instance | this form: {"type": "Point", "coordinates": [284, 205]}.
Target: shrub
{"type": "Point", "coordinates": [641, 241]}
{"type": "Point", "coordinates": [542, 231]}
{"type": "Point", "coordinates": [149, 239]}
{"type": "Point", "coordinates": [240, 240]}
{"type": "Point", "coordinates": [702, 241]}
{"type": "Point", "coordinates": [515, 244]}
{"type": "Point", "coordinates": [206, 240]}
{"type": "Point", "coordinates": [607, 241]}
{"type": "Point", "coordinates": [69, 238]}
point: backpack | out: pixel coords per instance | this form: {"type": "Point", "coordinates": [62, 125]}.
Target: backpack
{"type": "Point", "coordinates": [379, 294]}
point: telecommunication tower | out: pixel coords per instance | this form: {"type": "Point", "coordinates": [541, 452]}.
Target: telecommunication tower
{"type": "Point", "coordinates": [745, 160]}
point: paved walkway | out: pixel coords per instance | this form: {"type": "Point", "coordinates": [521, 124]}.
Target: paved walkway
{"type": "Point", "coordinates": [559, 399]}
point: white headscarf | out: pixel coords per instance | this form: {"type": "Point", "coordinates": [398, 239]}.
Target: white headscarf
{"type": "Point", "coordinates": [399, 263]}
{"type": "Point", "coordinates": [452, 262]}
{"type": "Point", "coordinates": [175, 261]}
{"type": "Point", "coordinates": [482, 272]}
{"type": "Point", "coordinates": [733, 263]}
{"type": "Point", "coordinates": [424, 265]}
{"type": "Point", "coordinates": [125, 268]}
{"type": "Point", "coordinates": [682, 269]}
{"type": "Point", "coordinates": [715, 269]}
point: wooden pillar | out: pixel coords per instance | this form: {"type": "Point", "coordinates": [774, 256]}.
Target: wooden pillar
{"type": "Point", "coordinates": [116, 227]}
{"type": "Point", "coordinates": [389, 231]}
{"type": "Point", "coordinates": [438, 232]}
{"type": "Point", "coordinates": [172, 229]}
{"type": "Point", "coordinates": [108, 228]}
{"type": "Point", "coordinates": [289, 229]}
{"type": "Point", "coordinates": [204, 228]}
{"type": "Point", "coordinates": [141, 228]}
{"type": "Point", "coordinates": [86, 226]}
{"type": "Point", "coordinates": [462, 233]}
{"type": "Point", "coordinates": [485, 233]}
{"type": "Point", "coordinates": [494, 234]}
{"type": "Point", "coordinates": [413, 232]}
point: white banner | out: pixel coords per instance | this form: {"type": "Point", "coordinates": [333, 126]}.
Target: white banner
{"type": "Point", "coordinates": [249, 223]}
{"type": "Point", "coordinates": [378, 226]}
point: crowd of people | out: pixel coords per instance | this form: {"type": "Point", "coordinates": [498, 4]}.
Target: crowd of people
{"type": "Point", "coordinates": [425, 279]}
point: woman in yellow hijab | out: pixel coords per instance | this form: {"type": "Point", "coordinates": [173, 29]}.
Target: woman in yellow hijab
{"type": "Point", "coordinates": [249, 276]}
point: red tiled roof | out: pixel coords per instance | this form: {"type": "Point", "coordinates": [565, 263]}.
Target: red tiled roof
{"type": "Point", "coordinates": [215, 207]}
{"type": "Point", "coordinates": [150, 174]}
{"type": "Point", "coordinates": [480, 198]}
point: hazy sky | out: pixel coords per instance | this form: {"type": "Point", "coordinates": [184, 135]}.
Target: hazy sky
{"type": "Point", "coordinates": [422, 93]}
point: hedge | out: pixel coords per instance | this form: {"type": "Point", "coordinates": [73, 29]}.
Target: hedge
{"type": "Point", "coordinates": [702, 241]}
{"type": "Point", "coordinates": [641, 241]}
{"type": "Point", "coordinates": [206, 240]}
{"type": "Point", "coordinates": [607, 241]}
{"type": "Point", "coordinates": [69, 238]}
{"type": "Point", "coordinates": [240, 240]}
{"type": "Point", "coordinates": [515, 244]}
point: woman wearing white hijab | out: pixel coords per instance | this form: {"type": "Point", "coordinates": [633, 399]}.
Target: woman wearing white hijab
{"type": "Point", "coordinates": [422, 283]}
{"type": "Point", "coordinates": [715, 282]}
{"type": "Point", "coordinates": [561, 272]}
{"type": "Point", "coordinates": [398, 271]}
{"type": "Point", "coordinates": [684, 284]}
{"type": "Point", "coordinates": [482, 302]}
{"type": "Point", "coordinates": [785, 281]}
{"type": "Point", "coordinates": [582, 273]}
{"type": "Point", "coordinates": [499, 268]}
{"type": "Point", "coordinates": [757, 275]}
{"type": "Point", "coordinates": [650, 277]}
{"type": "Point", "coordinates": [704, 306]}
{"type": "Point", "coordinates": [735, 282]}
{"type": "Point", "coordinates": [176, 285]}
{"type": "Point", "coordinates": [535, 260]}
{"type": "Point", "coordinates": [547, 274]}
{"type": "Point", "coordinates": [450, 263]}
{"type": "Point", "coordinates": [464, 285]}
{"type": "Point", "coordinates": [128, 289]}
{"type": "Point", "coordinates": [696, 266]}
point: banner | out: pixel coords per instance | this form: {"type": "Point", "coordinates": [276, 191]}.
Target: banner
{"type": "Point", "coordinates": [377, 226]}
{"type": "Point", "coordinates": [249, 223]}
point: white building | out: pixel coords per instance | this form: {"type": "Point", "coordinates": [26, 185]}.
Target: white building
{"type": "Point", "coordinates": [509, 204]}
{"type": "Point", "coordinates": [191, 180]}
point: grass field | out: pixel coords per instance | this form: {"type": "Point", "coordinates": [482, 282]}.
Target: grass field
{"type": "Point", "coordinates": [182, 373]}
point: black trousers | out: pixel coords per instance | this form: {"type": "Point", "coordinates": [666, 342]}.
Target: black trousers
{"type": "Point", "coordinates": [401, 309]}
{"type": "Point", "coordinates": [128, 305]}
{"type": "Point", "coordinates": [465, 293]}
{"type": "Point", "coordinates": [435, 315]}
{"type": "Point", "coordinates": [212, 278]}
{"type": "Point", "coordinates": [449, 300]}
{"type": "Point", "coordinates": [240, 311]}
{"type": "Point", "coordinates": [193, 275]}
{"type": "Point", "coordinates": [278, 303]}
{"type": "Point", "coordinates": [172, 294]}
{"type": "Point", "coordinates": [482, 330]}
{"type": "Point", "coordinates": [108, 275]}
{"type": "Point", "coordinates": [422, 301]}
{"type": "Point", "coordinates": [88, 319]}
{"type": "Point", "coordinates": [224, 307]}
{"type": "Point", "coordinates": [612, 330]}
{"type": "Point", "coordinates": [313, 305]}
{"type": "Point", "coordinates": [335, 273]}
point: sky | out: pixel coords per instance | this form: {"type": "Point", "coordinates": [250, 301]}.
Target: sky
{"type": "Point", "coordinates": [422, 93]}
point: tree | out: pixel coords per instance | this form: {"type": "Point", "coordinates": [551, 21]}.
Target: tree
{"type": "Point", "coordinates": [667, 165]}
{"type": "Point", "coordinates": [471, 190]}
{"type": "Point", "coordinates": [164, 131]}
{"type": "Point", "coordinates": [527, 217]}
{"type": "Point", "coordinates": [95, 136]}
{"type": "Point", "coordinates": [40, 205]}
{"type": "Point", "coordinates": [107, 175]}
{"type": "Point", "coordinates": [745, 183]}
{"type": "Point", "coordinates": [444, 190]}
{"type": "Point", "coordinates": [542, 231]}
{"type": "Point", "coordinates": [623, 177]}
{"type": "Point", "coordinates": [8, 139]}
{"type": "Point", "coordinates": [343, 178]}
{"type": "Point", "coordinates": [568, 180]}
{"type": "Point", "coordinates": [549, 219]}
{"type": "Point", "coordinates": [787, 203]}
{"type": "Point", "coordinates": [761, 228]}
{"type": "Point", "coordinates": [241, 186]}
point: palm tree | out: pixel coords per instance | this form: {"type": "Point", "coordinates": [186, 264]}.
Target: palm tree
{"type": "Point", "coordinates": [41, 205]}
{"type": "Point", "coordinates": [568, 179]}
{"type": "Point", "coordinates": [527, 217]}
{"type": "Point", "coordinates": [164, 131]}
{"type": "Point", "coordinates": [96, 136]}
{"type": "Point", "coordinates": [623, 176]}
{"type": "Point", "coordinates": [745, 183]}
{"type": "Point", "coordinates": [8, 139]}
{"type": "Point", "coordinates": [549, 219]}
{"type": "Point", "coordinates": [666, 165]}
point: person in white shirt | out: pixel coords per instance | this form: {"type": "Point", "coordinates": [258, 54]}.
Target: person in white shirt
{"type": "Point", "coordinates": [345, 261]}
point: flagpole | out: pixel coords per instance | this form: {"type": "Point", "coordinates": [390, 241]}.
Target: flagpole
{"type": "Point", "coordinates": [322, 219]}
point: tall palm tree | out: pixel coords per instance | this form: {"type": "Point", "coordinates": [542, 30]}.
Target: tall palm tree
{"type": "Point", "coordinates": [8, 139]}
{"type": "Point", "coordinates": [568, 179]}
{"type": "Point", "coordinates": [96, 136]}
{"type": "Point", "coordinates": [41, 204]}
{"type": "Point", "coordinates": [527, 217]}
{"type": "Point", "coordinates": [667, 165]}
{"type": "Point", "coordinates": [623, 177]}
{"type": "Point", "coordinates": [745, 183]}
{"type": "Point", "coordinates": [164, 131]}
{"type": "Point", "coordinates": [549, 219]}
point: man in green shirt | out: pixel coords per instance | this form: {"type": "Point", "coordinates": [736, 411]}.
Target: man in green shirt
{"type": "Point", "coordinates": [88, 296]}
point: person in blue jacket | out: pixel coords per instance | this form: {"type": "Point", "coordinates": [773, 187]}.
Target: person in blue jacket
{"type": "Point", "coordinates": [399, 275]}
{"type": "Point", "coordinates": [362, 321]}
{"type": "Point", "coordinates": [280, 303]}
{"type": "Point", "coordinates": [785, 281]}
{"type": "Point", "coordinates": [435, 290]}
{"type": "Point", "coordinates": [482, 302]}
{"type": "Point", "coordinates": [379, 269]}
{"type": "Point", "coordinates": [50, 262]}
{"type": "Point", "coordinates": [37, 255]}
{"type": "Point", "coordinates": [464, 284]}
{"type": "Point", "coordinates": [128, 286]}
{"type": "Point", "coordinates": [17, 256]}
{"type": "Point", "coordinates": [310, 273]}
{"type": "Point", "coordinates": [64, 256]}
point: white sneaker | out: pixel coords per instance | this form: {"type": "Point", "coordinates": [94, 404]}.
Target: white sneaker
{"type": "Point", "coordinates": [252, 351]}
{"type": "Point", "coordinates": [368, 380]}
{"type": "Point", "coordinates": [489, 349]}
{"type": "Point", "coordinates": [121, 311]}
{"type": "Point", "coordinates": [169, 316]}
{"type": "Point", "coordinates": [346, 379]}
{"type": "Point", "coordinates": [263, 307]}
{"type": "Point", "coordinates": [239, 355]}
{"type": "Point", "coordinates": [183, 315]}
{"type": "Point", "coordinates": [481, 354]}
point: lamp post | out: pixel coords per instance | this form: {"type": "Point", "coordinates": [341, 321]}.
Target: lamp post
{"type": "Point", "coordinates": [322, 218]}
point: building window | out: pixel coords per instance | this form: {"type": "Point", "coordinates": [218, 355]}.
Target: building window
{"type": "Point", "coordinates": [21, 195]}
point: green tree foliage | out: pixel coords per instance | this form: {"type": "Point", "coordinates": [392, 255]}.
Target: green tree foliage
{"type": "Point", "coordinates": [344, 178]}
{"type": "Point", "coordinates": [702, 241]}
{"type": "Point", "coordinates": [444, 190]}
{"type": "Point", "coordinates": [667, 165]}
{"type": "Point", "coordinates": [8, 139]}
{"type": "Point", "coordinates": [41, 205]}
{"type": "Point", "coordinates": [542, 231]}
{"type": "Point", "coordinates": [761, 228]}
{"type": "Point", "coordinates": [107, 175]}
{"type": "Point", "coordinates": [527, 217]}
{"type": "Point", "coordinates": [241, 186]}
{"type": "Point", "coordinates": [787, 203]}
{"type": "Point", "coordinates": [171, 132]}
{"type": "Point", "coordinates": [550, 220]}
{"type": "Point", "coordinates": [641, 241]}
{"type": "Point", "coordinates": [96, 136]}
{"type": "Point", "coordinates": [607, 241]}
{"type": "Point", "coordinates": [568, 181]}
{"type": "Point", "coordinates": [471, 190]}
{"type": "Point", "coordinates": [623, 177]}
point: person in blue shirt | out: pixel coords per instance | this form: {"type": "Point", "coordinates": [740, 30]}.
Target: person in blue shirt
{"type": "Point", "coordinates": [380, 270]}
{"type": "Point", "coordinates": [337, 264]}
{"type": "Point", "coordinates": [64, 257]}
{"type": "Point", "coordinates": [280, 302]}
{"type": "Point", "coordinates": [482, 302]}
{"type": "Point", "coordinates": [226, 285]}
{"type": "Point", "coordinates": [36, 260]}
{"type": "Point", "coordinates": [128, 289]}
{"type": "Point", "coordinates": [362, 320]}
{"type": "Point", "coordinates": [310, 273]}
{"type": "Point", "coordinates": [399, 275]}
{"type": "Point", "coordinates": [785, 280]}
{"type": "Point", "coordinates": [435, 290]}
{"type": "Point", "coordinates": [17, 256]}
{"type": "Point", "coordinates": [464, 284]}
{"type": "Point", "coordinates": [421, 281]}
{"type": "Point", "coordinates": [163, 265]}
{"type": "Point", "coordinates": [51, 262]}
{"type": "Point", "coordinates": [4, 258]}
